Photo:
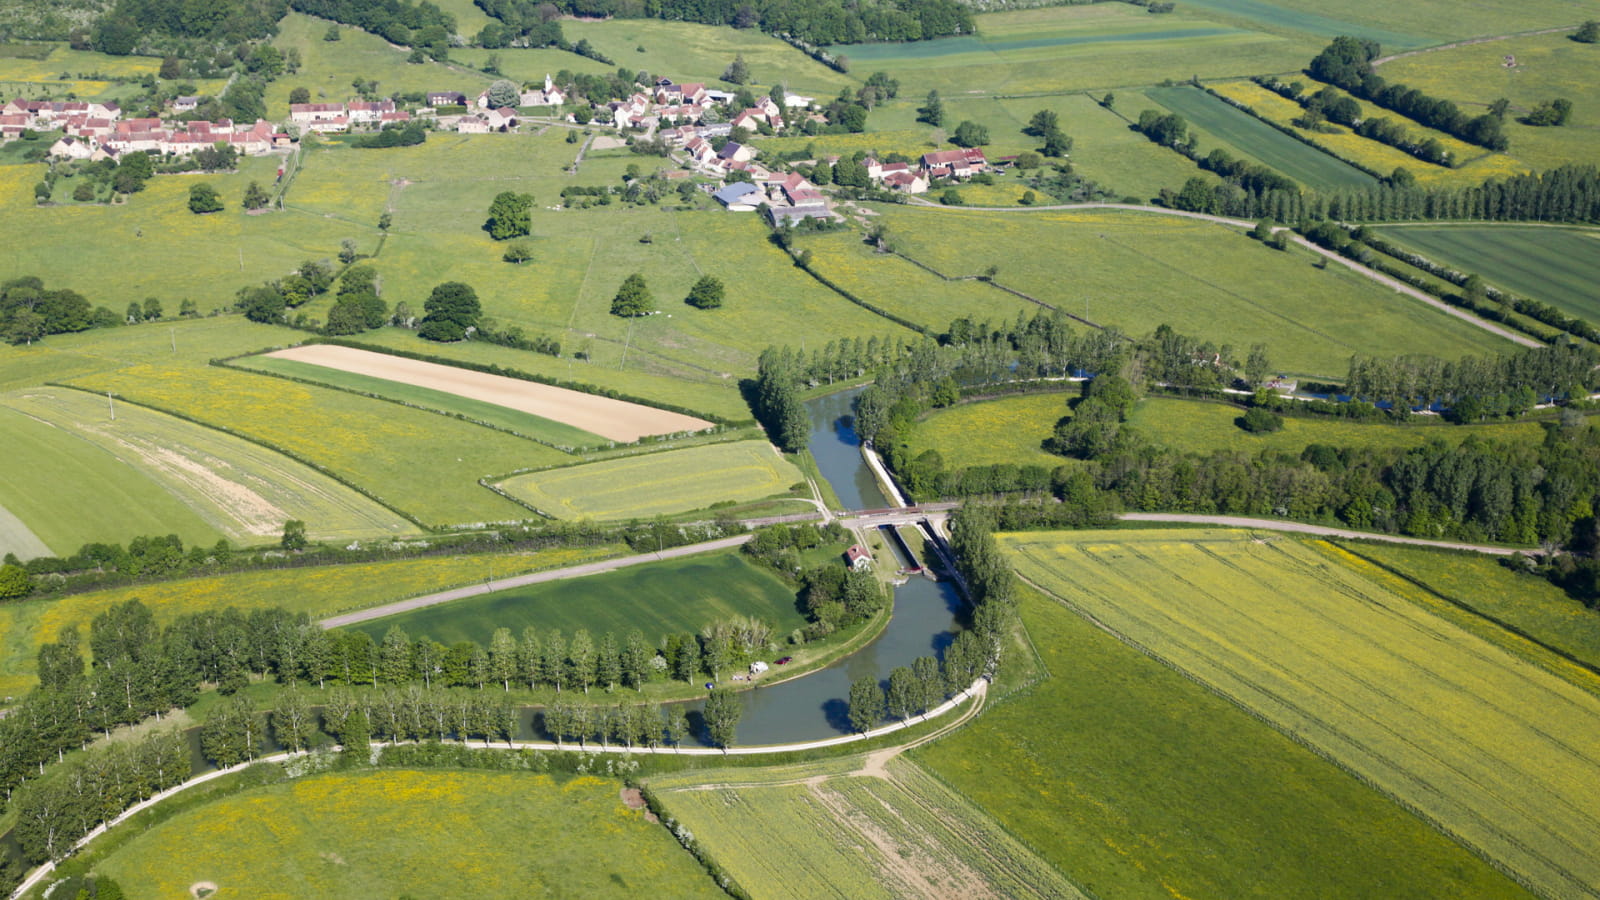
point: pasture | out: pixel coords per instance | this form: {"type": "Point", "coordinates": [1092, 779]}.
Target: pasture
{"type": "Point", "coordinates": [328, 67]}
{"type": "Point", "coordinates": [854, 829]}
{"type": "Point", "coordinates": [1496, 594]}
{"type": "Point", "coordinates": [1105, 149]}
{"type": "Point", "coordinates": [421, 462]}
{"type": "Point", "coordinates": [1559, 266]}
{"type": "Point", "coordinates": [318, 591]}
{"type": "Point", "coordinates": [990, 432]}
{"type": "Point", "coordinates": [1492, 749]}
{"type": "Point", "coordinates": [900, 288]}
{"type": "Point", "coordinates": [1238, 131]}
{"type": "Point", "coordinates": [392, 832]}
{"type": "Point", "coordinates": [240, 490]}
{"type": "Point", "coordinates": [1071, 48]}
{"type": "Point", "coordinates": [1138, 271]}
{"type": "Point", "coordinates": [679, 595]}
{"type": "Point", "coordinates": [1136, 782]}
{"type": "Point", "coordinates": [650, 484]}
{"type": "Point", "coordinates": [1547, 66]}
{"type": "Point", "coordinates": [615, 420]}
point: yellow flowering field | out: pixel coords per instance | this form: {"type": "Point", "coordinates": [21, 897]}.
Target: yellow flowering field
{"type": "Point", "coordinates": [320, 591]}
{"type": "Point", "coordinates": [421, 462]}
{"type": "Point", "coordinates": [1323, 645]}
{"type": "Point", "coordinates": [386, 833]}
{"type": "Point", "coordinates": [1479, 165]}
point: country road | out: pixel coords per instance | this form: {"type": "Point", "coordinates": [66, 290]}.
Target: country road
{"type": "Point", "coordinates": [1303, 528]}
{"type": "Point", "coordinates": [1469, 42]}
{"type": "Point", "coordinates": [500, 584]}
{"type": "Point", "coordinates": [1378, 277]}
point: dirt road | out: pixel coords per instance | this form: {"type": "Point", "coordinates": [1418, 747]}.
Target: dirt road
{"type": "Point", "coordinates": [1303, 528]}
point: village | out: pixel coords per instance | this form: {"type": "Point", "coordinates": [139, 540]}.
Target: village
{"type": "Point", "coordinates": [707, 132]}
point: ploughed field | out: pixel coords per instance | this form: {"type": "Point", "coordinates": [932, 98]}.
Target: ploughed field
{"type": "Point", "coordinates": [615, 420]}
{"type": "Point", "coordinates": [1492, 749]}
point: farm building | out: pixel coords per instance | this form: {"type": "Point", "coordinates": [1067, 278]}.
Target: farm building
{"type": "Point", "coordinates": [954, 163]}
{"type": "Point", "coordinates": [858, 558]}
{"type": "Point", "coordinates": [741, 196]}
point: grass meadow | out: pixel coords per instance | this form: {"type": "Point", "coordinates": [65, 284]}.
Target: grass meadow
{"type": "Point", "coordinates": [1491, 748]}
{"type": "Point", "coordinates": [1246, 135]}
{"type": "Point", "coordinates": [1548, 66]}
{"type": "Point", "coordinates": [672, 596]}
{"type": "Point", "coordinates": [1556, 265]}
{"type": "Point", "coordinates": [51, 476]}
{"type": "Point", "coordinates": [685, 51]}
{"type": "Point", "coordinates": [1139, 271]}
{"type": "Point", "coordinates": [1137, 782]}
{"type": "Point", "coordinates": [650, 484]}
{"type": "Point", "coordinates": [241, 490]}
{"type": "Point", "coordinates": [1397, 26]}
{"type": "Point", "coordinates": [421, 462]}
{"type": "Point", "coordinates": [844, 830]}
{"type": "Point", "coordinates": [1497, 594]}
{"type": "Point", "coordinates": [539, 428]}
{"type": "Point", "coordinates": [1013, 429]}
{"type": "Point", "coordinates": [359, 835]}
{"type": "Point", "coordinates": [1072, 48]}
{"type": "Point", "coordinates": [900, 288]}
{"type": "Point", "coordinates": [328, 67]}
{"type": "Point", "coordinates": [319, 591]}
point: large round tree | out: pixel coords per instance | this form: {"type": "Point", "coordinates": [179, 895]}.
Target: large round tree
{"type": "Point", "coordinates": [449, 311]}
{"type": "Point", "coordinates": [633, 298]}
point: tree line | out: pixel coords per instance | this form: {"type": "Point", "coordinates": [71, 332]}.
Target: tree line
{"type": "Point", "coordinates": [28, 311]}
{"type": "Point", "coordinates": [423, 25]}
{"type": "Point", "coordinates": [1347, 63]}
{"type": "Point", "coordinates": [809, 21]}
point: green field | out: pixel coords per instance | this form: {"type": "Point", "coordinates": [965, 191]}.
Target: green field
{"type": "Point", "coordinates": [1014, 429]}
{"type": "Point", "coordinates": [1494, 750]}
{"type": "Point", "coordinates": [240, 490]}
{"type": "Point", "coordinates": [689, 52]}
{"type": "Point", "coordinates": [1068, 48]}
{"type": "Point", "coordinates": [1548, 66]}
{"type": "Point", "coordinates": [661, 598]}
{"type": "Point", "coordinates": [1496, 594]}
{"type": "Point", "coordinates": [421, 462]}
{"type": "Point", "coordinates": [1398, 25]}
{"type": "Point", "coordinates": [1245, 135]}
{"type": "Point", "coordinates": [328, 67]}
{"type": "Point", "coordinates": [1138, 271]}
{"type": "Point", "coordinates": [652, 484]}
{"type": "Point", "coordinates": [900, 288]}
{"type": "Point", "coordinates": [536, 427]}
{"type": "Point", "coordinates": [318, 591]}
{"type": "Point", "coordinates": [1559, 266]}
{"type": "Point", "coordinates": [393, 833]}
{"type": "Point", "coordinates": [1136, 782]}
{"type": "Point", "coordinates": [844, 829]}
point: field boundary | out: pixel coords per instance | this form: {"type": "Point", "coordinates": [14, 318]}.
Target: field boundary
{"type": "Point", "coordinates": [1285, 129]}
{"type": "Point", "coordinates": [268, 445]}
{"type": "Point", "coordinates": [1289, 734]}
{"type": "Point", "coordinates": [828, 283]}
{"type": "Point", "coordinates": [519, 374]}
{"type": "Point", "coordinates": [234, 363]}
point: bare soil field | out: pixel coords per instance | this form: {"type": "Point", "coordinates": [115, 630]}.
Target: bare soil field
{"type": "Point", "coordinates": [617, 420]}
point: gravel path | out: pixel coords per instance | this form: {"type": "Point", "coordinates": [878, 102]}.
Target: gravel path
{"type": "Point", "coordinates": [501, 584]}
{"type": "Point", "coordinates": [1469, 42]}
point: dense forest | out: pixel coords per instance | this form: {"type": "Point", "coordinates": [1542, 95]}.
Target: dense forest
{"type": "Point", "coordinates": [811, 21]}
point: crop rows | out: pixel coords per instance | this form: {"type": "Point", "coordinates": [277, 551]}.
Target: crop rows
{"type": "Point", "coordinates": [859, 837]}
{"type": "Point", "coordinates": [1494, 751]}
